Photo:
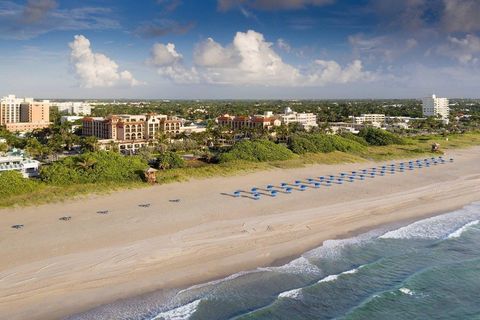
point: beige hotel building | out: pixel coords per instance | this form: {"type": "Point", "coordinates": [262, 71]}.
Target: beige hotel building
{"type": "Point", "coordinates": [130, 132]}
{"type": "Point", "coordinates": [24, 114]}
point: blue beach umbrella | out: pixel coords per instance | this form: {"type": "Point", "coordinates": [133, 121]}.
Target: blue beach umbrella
{"type": "Point", "coordinates": [270, 187]}
{"type": "Point", "coordinates": [273, 193]}
{"type": "Point", "coordinates": [303, 187]}
{"type": "Point", "coordinates": [317, 185]}
{"type": "Point", "coordinates": [254, 189]}
{"type": "Point", "coordinates": [288, 190]}
{"type": "Point", "coordinates": [236, 194]}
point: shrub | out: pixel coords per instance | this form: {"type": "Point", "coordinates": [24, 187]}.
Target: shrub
{"type": "Point", "coordinates": [303, 143]}
{"type": "Point", "coordinates": [13, 183]}
{"type": "Point", "coordinates": [256, 151]}
{"type": "Point", "coordinates": [354, 137]}
{"type": "Point", "coordinates": [94, 167]}
{"type": "Point", "coordinates": [379, 137]}
{"type": "Point", "coordinates": [169, 160]}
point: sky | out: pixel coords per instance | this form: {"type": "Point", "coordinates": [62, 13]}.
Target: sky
{"type": "Point", "coordinates": [240, 49]}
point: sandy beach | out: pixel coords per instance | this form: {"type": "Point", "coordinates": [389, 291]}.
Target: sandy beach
{"type": "Point", "coordinates": [51, 269]}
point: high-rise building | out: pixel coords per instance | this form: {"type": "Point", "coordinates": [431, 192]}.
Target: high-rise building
{"type": "Point", "coordinates": [24, 115]}
{"type": "Point", "coordinates": [10, 109]}
{"type": "Point", "coordinates": [433, 107]}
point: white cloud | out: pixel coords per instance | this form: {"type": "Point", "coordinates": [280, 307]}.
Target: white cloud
{"type": "Point", "coordinates": [165, 54]}
{"type": "Point", "coordinates": [96, 69]}
{"type": "Point", "coordinates": [284, 45]}
{"type": "Point", "coordinates": [464, 50]}
{"type": "Point", "coordinates": [169, 64]}
{"type": "Point", "coordinates": [249, 60]}
{"type": "Point", "coordinates": [209, 53]}
{"type": "Point", "coordinates": [325, 72]}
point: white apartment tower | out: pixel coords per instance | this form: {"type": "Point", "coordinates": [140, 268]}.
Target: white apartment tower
{"type": "Point", "coordinates": [433, 106]}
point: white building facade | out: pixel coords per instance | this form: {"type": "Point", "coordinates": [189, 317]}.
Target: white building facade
{"type": "Point", "coordinates": [17, 161]}
{"type": "Point", "coordinates": [74, 108]}
{"type": "Point", "coordinates": [433, 106]}
{"type": "Point", "coordinates": [306, 120]}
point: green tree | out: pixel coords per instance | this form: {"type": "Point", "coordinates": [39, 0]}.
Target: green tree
{"type": "Point", "coordinates": [169, 160]}
{"type": "Point", "coordinates": [89, 143]}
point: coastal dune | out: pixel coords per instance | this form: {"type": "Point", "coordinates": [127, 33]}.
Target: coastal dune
{"type": "Point", "coordinates": [51, 269]}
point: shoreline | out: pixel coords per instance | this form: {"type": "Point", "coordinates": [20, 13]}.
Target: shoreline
{"type": "Point", "coordinates": [159, 297]}
{"type": "Point", "coordinates": [125, 255]}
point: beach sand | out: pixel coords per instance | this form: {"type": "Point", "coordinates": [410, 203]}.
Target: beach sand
{"type": "Point", "coordinates": [51, 268]}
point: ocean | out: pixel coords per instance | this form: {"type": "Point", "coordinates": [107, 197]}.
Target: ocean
{"type": "Point", "coordinates": [429, 269]}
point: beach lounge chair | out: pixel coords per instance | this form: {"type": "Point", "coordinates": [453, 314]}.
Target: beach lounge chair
{"type": "Point", "coordinates": [17, 226]}
{"type": "Point", "coordinates": [65, 218]}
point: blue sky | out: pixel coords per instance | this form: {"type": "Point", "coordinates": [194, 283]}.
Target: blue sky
{"type": "Point", "coordinates": [240, 48]}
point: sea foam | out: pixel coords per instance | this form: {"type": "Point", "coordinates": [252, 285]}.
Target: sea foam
{"type": "Point", "coordinates": [437, 227]}
{"type": "Point", "coordinates": [292, 294]}
{"type": "Point", "coordinates": [180, 313]}
{"type": "Point", "coordinates": [406, 291]}
{"type": "Point", "coordinates": [457, 233]}
{"type": "Point", "coordinates": [298, 266]}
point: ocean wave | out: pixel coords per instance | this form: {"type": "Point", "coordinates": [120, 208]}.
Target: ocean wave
{"type": "Point", "coordinates": [437, 227]}
{"type": "Point", "coordinates": [334, 277]}
{"type": "Point", "coordinates": [292, 294]}
{"type": "Point", "coordinates": [406, 291]}
{"type": "Point", "coordinates": [180, 313]}
{"type": "Point", "coordinates": [333, 249]}
{"type": "Point", "coordinates": [298, 266]}
{"type": "Point", "coordinates": [457, 233]}
{"type": "Point", "coordinates": [201, 286]}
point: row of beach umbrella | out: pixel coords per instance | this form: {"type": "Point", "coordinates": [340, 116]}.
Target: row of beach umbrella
{"type": "Point", "coordinates": [328, 180]}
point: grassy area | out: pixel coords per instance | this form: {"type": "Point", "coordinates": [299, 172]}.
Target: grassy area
{"type": "Point", "coordinates": [417, 146]}
{"type": "Point", "coordinates": [48, 193]}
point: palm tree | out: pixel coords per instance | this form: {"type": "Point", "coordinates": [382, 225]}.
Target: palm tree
{"type": "Point", "coordinates": [89, 143]}
{"type": "Point", "coordinates": [86, 162]}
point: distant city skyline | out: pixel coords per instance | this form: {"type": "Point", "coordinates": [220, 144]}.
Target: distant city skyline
{"type": "Point", "coordinates": [240, 49]}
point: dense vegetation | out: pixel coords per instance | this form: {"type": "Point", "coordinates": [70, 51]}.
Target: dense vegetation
{"type": "Point", "coordinates": [256, 151]}
{"type": "Point", "coordinates": [303, 143]}
{"type": "Point", "coordinates": [94, 167]}
{"type": "Point", "coordinates": [169, 160]}
{"type": "Point", "coordinates": [12, 183]}
{"type": "Point", "coordinates": [379, 137]}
